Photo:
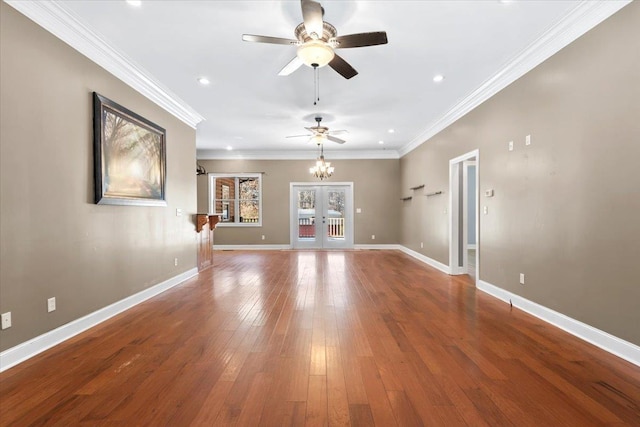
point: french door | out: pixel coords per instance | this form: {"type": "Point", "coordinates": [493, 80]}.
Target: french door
{"type": "Point", "coordinates": [322, 216]}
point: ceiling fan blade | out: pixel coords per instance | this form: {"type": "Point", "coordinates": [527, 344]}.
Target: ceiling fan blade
{"type": "Point", "coordinates": [293, 65]}
{"type": "Point", "coordinates": [268, 39]}
{"type": "Point", "coordinates": [361, 39]}
{"type": "Point", "coordinates": [298, 136]}
{"type": "Point", "coordinates": [337, 132]}
{"type": "Point", "coordinates": [334, 139]}
{"type": "Point", "coordinates": [312, 17]}
{"type": "Point", "coordinates": [342, 67]}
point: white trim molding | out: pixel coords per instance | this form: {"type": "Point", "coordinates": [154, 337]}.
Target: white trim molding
{"type": "Point", "coordinates": [381, 247]}
{"type": "Point", "coordinates": [430, 261]}
{"type": "Point", "coordinates": [251, 247]}
{"type": "Point", "coordinates": [37, 345]}
{"type": "Point", "coordinates": [612, 344]}
{"type": "Point", "coordinates": [585, 16]}
{"type": "Point", "coordinates": [55, 18]}
{"type": "Point", "coordinates": [295, 155]}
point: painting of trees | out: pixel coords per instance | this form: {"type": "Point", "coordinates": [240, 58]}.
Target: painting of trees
{"type": "Point", "coordinates": [131, 156]}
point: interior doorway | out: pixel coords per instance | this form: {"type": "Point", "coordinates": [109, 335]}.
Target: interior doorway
{"type": "Point", "coordinates": [464, 248]}
{"type": "Point", "coordinates": [321, 215]}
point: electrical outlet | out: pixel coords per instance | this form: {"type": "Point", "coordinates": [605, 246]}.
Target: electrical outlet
{"type": "Point", "coordinates": [522, 278]}
{"type": "Point", "coordinates": [358, 210]}
{"type": "Point", "coordinates": [263, 237]}
{"type": "Point", "coordinates": [421, 245]}
{"type": "Point", "coordinates": [51, 304]}
{"type": "Point", "coordinates": [527, 140]}
{"type": "Point", "coordinates": [485, 209]}
{"type": "Point", "coordinates": [178, 212]}
{"type": "Point", "coordinates": [6, 320]}
{"type": "Point", "coordinates": [373, 237]}
{"type": "Point", "coordinates": [510, 145]}
{"type": "Point", "coordinates": [175, 262]}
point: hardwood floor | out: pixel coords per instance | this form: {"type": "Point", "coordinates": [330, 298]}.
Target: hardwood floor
{"type": "Point", "coordinates": [322, 338]}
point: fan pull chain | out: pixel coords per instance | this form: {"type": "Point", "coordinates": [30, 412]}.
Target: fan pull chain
{"type": "Point", "coordinates": [316, 85]}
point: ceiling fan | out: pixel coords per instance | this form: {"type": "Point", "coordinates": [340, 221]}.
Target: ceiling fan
{"type": "Point", "coordinates": [317, 40]}
{"type": "Point", "coordinates": [320, 134]}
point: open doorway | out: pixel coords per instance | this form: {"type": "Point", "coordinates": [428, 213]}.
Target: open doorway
{"type": "Point", "coordinates": [464, 248]}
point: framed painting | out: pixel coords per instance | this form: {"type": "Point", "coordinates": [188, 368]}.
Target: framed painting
{"type": "Point", "coordinates": [129, 156]}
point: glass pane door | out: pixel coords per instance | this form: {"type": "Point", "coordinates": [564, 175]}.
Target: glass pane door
{"type": "Point", "coordinates": [321, 216]}
{"type": "Point", "coordinates": [305, 217]}
{"type": "Point", "coordinates": [334, 217]}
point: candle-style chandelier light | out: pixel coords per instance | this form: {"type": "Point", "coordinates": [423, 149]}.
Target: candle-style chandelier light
{"type": "Point", "coordinates": [321, 169]}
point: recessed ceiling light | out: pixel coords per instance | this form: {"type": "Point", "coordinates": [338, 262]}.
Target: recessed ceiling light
{"type": "Point", "coordinates": [229, 148]}
{"type": "Point", "coordinates": [438, 78]}
{"type": "Point", "coordinates": [203, 81]}
{"type": "Point", "coordinates": [380, 142]}
{"type": "Point", "coordinates": [135, 3]}
{"type": "Point", "coordinates": [391, 130]}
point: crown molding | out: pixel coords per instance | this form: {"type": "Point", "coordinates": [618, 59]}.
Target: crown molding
{"type": "Point", "coordinates": [295, 155]}
{"type": "Point", "coordinates": [55, 18]}
{"type": "Point", "coordinates": [586, 15]}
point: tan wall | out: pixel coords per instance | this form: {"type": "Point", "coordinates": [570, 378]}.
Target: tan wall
{"type": "Point", "coordinates": [566, 208]}
{"type": "Point", "coordinates": [55, 241]}
{"type": "Point", "coordinates": [375, 192]}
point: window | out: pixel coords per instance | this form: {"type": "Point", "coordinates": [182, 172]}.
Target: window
{"type": "Point", "coordinates": [236, 198]}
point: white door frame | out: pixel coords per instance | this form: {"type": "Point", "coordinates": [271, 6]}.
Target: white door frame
{"type": "Point", "coordinates": [348, 210]}
{"type": "Point", "coordinates": [465, 211]}
{"type": "Point", "coordinates": [455, 166]}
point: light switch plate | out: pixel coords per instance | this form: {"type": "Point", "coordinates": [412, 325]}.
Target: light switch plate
{"type": "Point", "coordinates": [527, 140]}
{"type": "Point", "coordinates": [510, 145]}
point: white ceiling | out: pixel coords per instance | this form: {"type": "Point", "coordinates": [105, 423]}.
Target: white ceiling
{"type": "Point", "coordinates": [250, 108]}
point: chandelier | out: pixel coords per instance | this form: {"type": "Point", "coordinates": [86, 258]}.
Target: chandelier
{"type": "Point", "coordinates": [322, 169]}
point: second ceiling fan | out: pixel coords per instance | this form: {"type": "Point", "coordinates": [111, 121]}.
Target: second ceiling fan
{"type": "Point", "coordinates": [320, 134]}
{"type": "Point", "coordinates": [317, 41]}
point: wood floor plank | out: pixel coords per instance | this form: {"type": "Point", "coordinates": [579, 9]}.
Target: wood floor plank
{"type": "Point", "coordinates": [361, 415]}
{"type": "Point", "coordinates": [317, 409]}
{"type": "Point", "coordinates": [338, 338]}
{"type": "Point", "coordinates": [337, 400]}
{"type": "Point", "coordinates": [376, 394]}
{"type": "Point", "coordinates": [403, 410]}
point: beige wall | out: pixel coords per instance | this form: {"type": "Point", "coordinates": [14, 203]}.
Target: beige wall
{"type": "Point", "coordinates": [55, 241]}
{"type": "Point", "coordinates": [566, 208]}
{"type": "Point", "coordinates": [376, 192]}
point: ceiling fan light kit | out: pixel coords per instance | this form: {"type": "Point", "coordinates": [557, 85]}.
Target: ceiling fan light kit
{"type": "Point", "coordinates": [315, 53]}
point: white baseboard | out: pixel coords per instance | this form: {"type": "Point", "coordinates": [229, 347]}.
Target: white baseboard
{"type": "Point", "coordinates": [250, 247]}
{"type": "Point", "coordinates": [614, 345]}
{"type": "Point", "coordinates": [432, 262]}
{"type": "Point", "coordinates": [34, 346]}
{"type": "Point", "coordinates": [377, 247]}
